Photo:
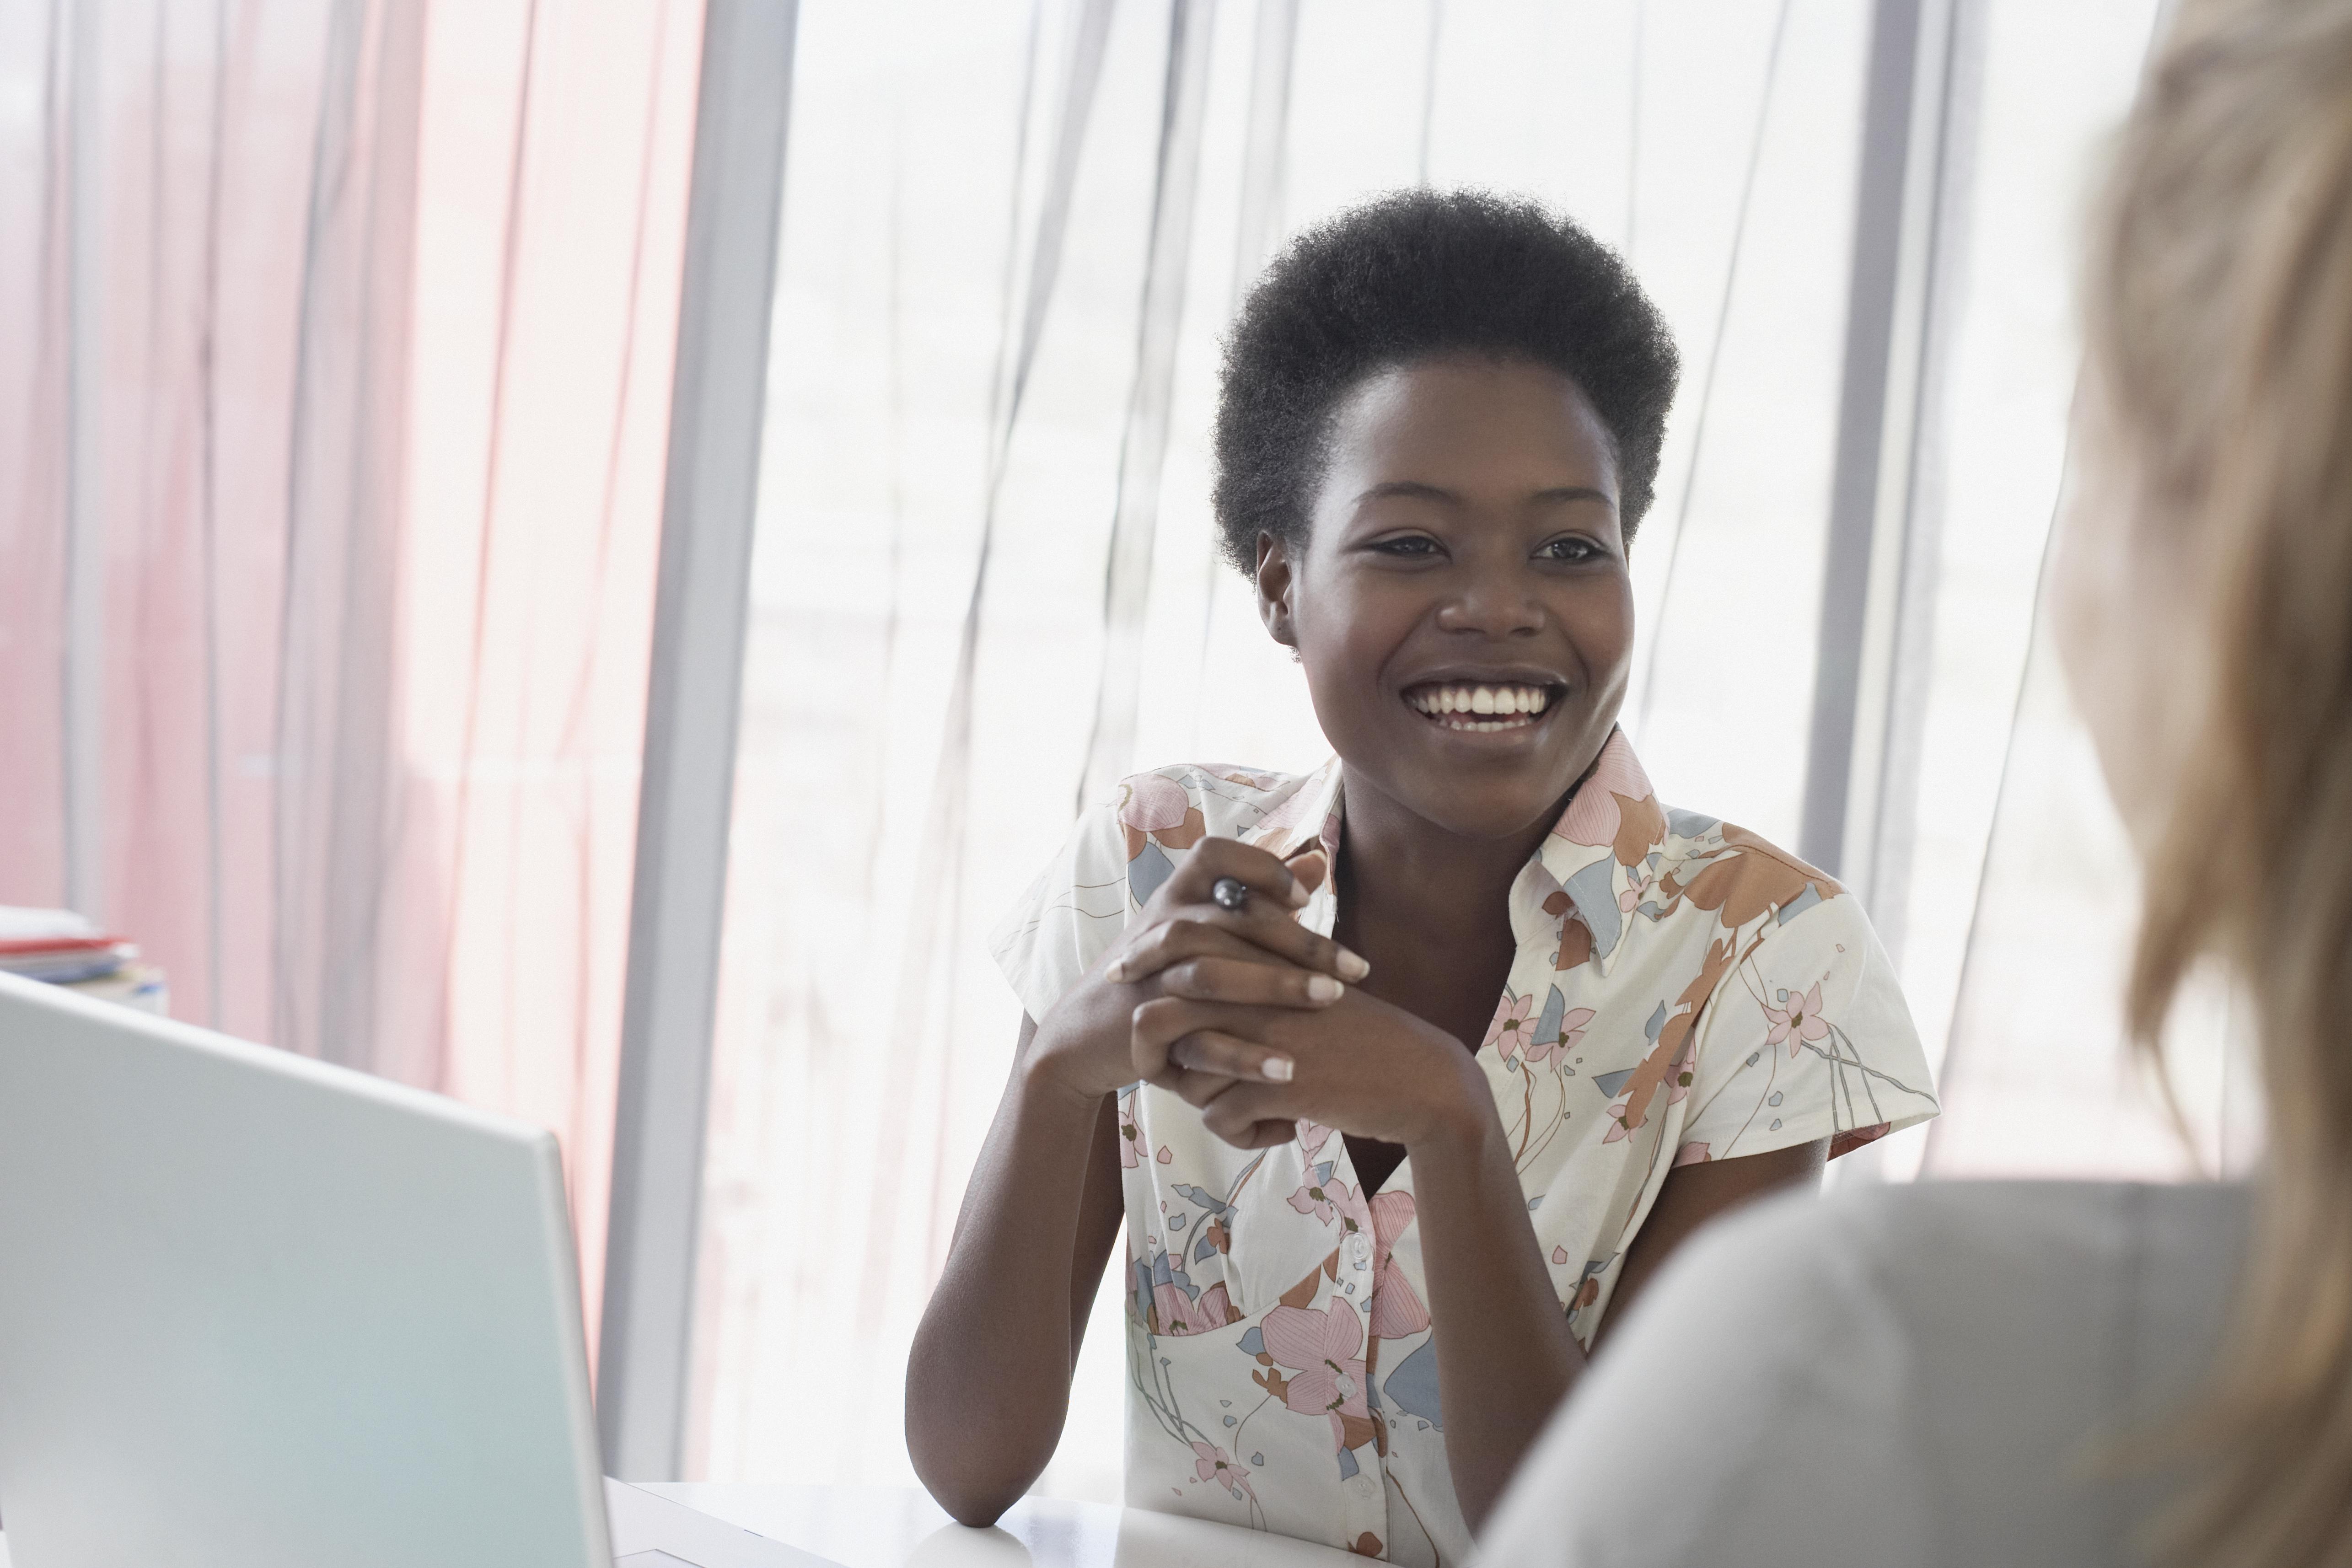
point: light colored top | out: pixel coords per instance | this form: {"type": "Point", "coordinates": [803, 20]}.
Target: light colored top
{"type": "Point", "coordinates": [1919, 1375]}
{"type": "Point", "coordinates": [1682, 992]}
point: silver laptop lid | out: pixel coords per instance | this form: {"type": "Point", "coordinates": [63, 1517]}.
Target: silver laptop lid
{"type": "Point", "coordinates": [261, 1313]}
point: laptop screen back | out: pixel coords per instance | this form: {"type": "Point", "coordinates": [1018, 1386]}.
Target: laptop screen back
{"type": "Point", "coordinates": [261, 1313]}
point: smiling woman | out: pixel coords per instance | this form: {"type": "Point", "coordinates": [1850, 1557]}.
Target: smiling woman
{"type": "Point", "coordinates": [1496, 1029]}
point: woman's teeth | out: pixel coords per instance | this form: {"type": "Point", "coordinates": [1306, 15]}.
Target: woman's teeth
{"type": "Point", "coordinates": [1459, 705]}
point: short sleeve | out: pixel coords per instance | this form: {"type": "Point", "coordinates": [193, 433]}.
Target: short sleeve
{"type": "Point", "coordinates": [1807, 1038]}
{"type": "Point", "coordinates": [1073, 911]}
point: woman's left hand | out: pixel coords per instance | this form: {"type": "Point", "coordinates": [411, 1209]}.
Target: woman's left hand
{"type": "Point", "coordinates": [1360, 1065]}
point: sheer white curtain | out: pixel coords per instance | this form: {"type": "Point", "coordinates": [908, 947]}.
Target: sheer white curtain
{"type": "Point", "coordinates": [2026, 877]}
{"type": "Point", "coordinates": [2023, 892]}
{"type": "Point", "coordinates": [335, 346]}
{"type": "Point", "coordinates": [985, 582]}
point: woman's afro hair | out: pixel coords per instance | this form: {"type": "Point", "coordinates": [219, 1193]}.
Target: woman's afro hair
{"type": "Point", "coordinates": [1411, 276]}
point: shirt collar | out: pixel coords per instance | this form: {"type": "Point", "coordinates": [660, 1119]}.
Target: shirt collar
{"type": "Point", "coordinates": [1308, 817]}
{"type": "Point", "coordinates": [1609, 827]}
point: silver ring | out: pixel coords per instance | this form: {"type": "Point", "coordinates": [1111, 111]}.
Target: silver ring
{"type": "Point", "coordinates": [1230, 893]}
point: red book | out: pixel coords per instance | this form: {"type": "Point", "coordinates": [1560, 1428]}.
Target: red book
{"type": "Point", "coordinates": [58, 945]}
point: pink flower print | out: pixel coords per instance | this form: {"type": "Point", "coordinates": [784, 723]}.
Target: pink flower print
{"type": "Point", "coordinates": [1273, 831]}
{"type": "Point", "coordinates": [1152, 803]}
{"type": "Point", "coordinates": [1685, 1068]}
{"type": "Point", "coordinates": [1513, 1026]}
{"type": "Point", "coordinates": [1318, 1349]}
{"type": "Point", "coordinates": [1154, 808]}
{"type": "Point", "coordinates": [1164, 1156]}
{"type": "Point", "coordinates": [1323, 1195]}
{"type": "Point", "coordinates": [1179, 1314]}
{"type": "Point", "coordinates": [1396, 1309]}
{"type": "Point", "coordinates": [1635, 897]}
{"type": "Point", "coordinates": [1634, 1102]}
{"type": "Point", "coordinates": [1312, 1136]}
{"type": "Point", "coordinates": [1692, 1154]}
{"type": "Point", "coordinates": [1211, 1463]}
{"type": "Point", "coordinates": [1572, 1026]}
{"type": "Point", "coordinates": [1797, 1019]}
{"type": "Point", "coordinates": [1597, 812]}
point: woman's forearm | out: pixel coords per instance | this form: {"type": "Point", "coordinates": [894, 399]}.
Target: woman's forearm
{"type": "Point", "coordinates": [988, 1380]}
{"type": "Point", "coordinates": [1505, 1355]}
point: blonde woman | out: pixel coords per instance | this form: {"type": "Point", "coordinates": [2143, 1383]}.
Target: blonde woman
{"type": "Point", "coordinates": [2052, 1373]}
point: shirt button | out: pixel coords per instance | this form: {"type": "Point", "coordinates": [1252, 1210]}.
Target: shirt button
{"type": "Point", "coordinates": [1359, 1251]}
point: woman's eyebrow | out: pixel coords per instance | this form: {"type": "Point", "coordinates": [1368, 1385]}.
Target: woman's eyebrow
{"type": "Point", "coordinates": [1573, 492]}
{"type": "Point", "coordinates": [1413, 489]}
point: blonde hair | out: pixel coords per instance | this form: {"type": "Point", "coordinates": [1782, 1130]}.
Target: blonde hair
{"type": "Point", "coordinates": [2218, 300]}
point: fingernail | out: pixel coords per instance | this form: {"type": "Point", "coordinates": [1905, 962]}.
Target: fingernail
{"type": "Point", "coordinates": [1353, 964]}
{"type": "Point", "coordinates": [1116, 972]}
{"type": "Point", "coordinates": [1323, 988]}
{"type": "Point", "coordinates": [1297, 895]}
{"type": "Point", "coordinates": [1277, 1069]}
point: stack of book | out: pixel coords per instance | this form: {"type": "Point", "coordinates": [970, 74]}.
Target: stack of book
{"type": "Point", "coordinates": [63, 949]}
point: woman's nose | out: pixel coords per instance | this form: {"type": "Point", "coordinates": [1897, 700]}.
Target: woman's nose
{"type": "Point", "coordinates": [1495, 603]}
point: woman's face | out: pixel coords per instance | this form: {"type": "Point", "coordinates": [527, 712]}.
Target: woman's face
{"type": "Point", "coordinates": [2131, 617]}
{"type": "Point", "coordinates": [1466, 541]}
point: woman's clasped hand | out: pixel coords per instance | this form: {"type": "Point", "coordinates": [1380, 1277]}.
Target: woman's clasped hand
{"type": "Point", "coordinates": [1254, 1019]}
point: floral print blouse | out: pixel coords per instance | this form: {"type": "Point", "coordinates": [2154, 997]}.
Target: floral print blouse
{"type": "Point", "coordinates": [1683, 991]}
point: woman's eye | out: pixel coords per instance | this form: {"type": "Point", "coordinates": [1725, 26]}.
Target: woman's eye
{"type": "Point", "coordinates": [1408, 545]}
{"type": "Point", "coordinates": [1569, 549]}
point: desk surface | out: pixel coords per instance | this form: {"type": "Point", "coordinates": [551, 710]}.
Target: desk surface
{"type": "Point", "coordinates": [889, 1527]}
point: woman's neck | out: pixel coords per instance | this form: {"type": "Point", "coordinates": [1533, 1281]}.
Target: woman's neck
{"type": "Point", "coordinates": [1403, 878]}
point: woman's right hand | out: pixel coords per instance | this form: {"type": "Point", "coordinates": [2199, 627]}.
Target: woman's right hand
{"type": "Point", "coordinates": [1185, 943]}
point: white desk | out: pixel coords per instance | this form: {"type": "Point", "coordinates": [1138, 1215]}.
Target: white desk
{"type": "Point", "coordinates": [888, 1527]}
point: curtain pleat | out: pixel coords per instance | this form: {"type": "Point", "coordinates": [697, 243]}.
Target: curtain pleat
{"type": "Point", "coordinates": [1704, 400]}
{"type": "Point", "coordinates": [1257, 222]}
{"type": "Point", "coordinates": [335, 826]}
{"type": "Point", "coordinates": [89, 141]}
{"type": "Point", "coordinates": [1264, 139]}
{"type": "Point", "coordinates": [35, 389]}
{"type": "Point", "coordinates": [1143, 445]}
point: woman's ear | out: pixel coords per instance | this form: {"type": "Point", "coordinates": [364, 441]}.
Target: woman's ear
{"type": "Point", "coordinates": [1273, 583]}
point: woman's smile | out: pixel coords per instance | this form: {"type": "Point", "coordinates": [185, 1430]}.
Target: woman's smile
{"type": "Point", "coordinates": [1490, 704]}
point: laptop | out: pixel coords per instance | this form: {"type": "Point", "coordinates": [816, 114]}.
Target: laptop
{"type": "Point", "coordinates": [257, 1311]}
